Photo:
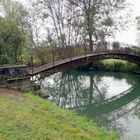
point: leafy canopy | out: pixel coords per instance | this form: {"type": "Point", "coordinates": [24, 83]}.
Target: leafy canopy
{"type": "Point", "coordinates": [11, 42]}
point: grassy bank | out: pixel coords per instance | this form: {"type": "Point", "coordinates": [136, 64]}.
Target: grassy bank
{"type": "Point", "coordinates": [118, 65]}
{"type": "Point", "coordinates": [29, 117]}
{"type": "Point", "coordinates": [114, 65]}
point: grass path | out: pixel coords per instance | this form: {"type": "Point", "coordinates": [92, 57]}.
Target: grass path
{"type": "Point", "coordinates": [28, 117]}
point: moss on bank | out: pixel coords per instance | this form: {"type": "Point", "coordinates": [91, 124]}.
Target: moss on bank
{"type": "Point", "coordinates": [37, 119]}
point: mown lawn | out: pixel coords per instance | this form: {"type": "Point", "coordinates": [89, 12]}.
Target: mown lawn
{"type": "Point", "coordinates": [28, 117]}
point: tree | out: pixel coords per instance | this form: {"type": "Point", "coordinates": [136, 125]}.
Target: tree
{"type": "Point", "coordinates": [100, 18]}
{"type": "Point", "coordinates": [60, 20]}
{"type": "Point", "coordinates": [14, 11]}
{"type": "Point", "coordinates": [72, 22]}
{"type": "Point", "coordinates": [11, 42]}
{"type": "Point", "coordinates": [138, 30]}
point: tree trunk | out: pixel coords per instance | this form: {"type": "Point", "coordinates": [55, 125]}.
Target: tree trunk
{"type": "Point", "coordinates": [90, 43]}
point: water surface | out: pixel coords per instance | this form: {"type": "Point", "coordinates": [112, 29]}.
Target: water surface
{"type": "Point", "coordinates": [110, 99]}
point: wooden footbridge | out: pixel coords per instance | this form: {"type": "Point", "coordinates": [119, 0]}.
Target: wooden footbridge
{"type": "Point", "coordinates": [73, 61]}
{"type": "Point", "coordinates": [60, 59]}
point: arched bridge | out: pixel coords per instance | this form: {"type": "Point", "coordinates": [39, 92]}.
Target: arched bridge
{"type": "Point", "coordinates": [75, 61]}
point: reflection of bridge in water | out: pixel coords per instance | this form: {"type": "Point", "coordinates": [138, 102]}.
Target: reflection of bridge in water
{"type": "Point", "coordinates": [126, 109]}
{"type": "Point", "coordinates": [76, 91]}
{"type": "Point", "coordinates": [90, 97]}
{"type": "Point", "coordinates": [108, 101]}
{"type": "Point", "coordinates": [112, 104]}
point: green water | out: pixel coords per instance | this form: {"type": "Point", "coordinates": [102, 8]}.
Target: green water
{"type": "Point", "coordinates": [98, 96]}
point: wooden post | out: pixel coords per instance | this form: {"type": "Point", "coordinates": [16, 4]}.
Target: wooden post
{"type": "Point", "coordinates": [85, 50]}
{"type": "Point", "coordinates": [53, 57]}
{"type": "Point", "coordinates": [70, 53]}
{"type": "Point", "coordinates": [32, 65]}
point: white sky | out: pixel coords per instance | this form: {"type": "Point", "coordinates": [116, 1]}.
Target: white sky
{"type": "Point", "coordinates": [129, 35]}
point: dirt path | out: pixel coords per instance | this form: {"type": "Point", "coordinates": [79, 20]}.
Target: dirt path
{"type": "Point", "coordinates": [12, 94]}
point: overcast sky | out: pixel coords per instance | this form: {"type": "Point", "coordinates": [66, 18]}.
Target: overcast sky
{"type": "Point", "coordinates": [128, 36]}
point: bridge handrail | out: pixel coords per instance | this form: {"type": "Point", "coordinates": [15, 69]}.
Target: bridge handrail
{"type": "Point", "coordinates": [93, 53]}
{"type": "Point", "coordinates": [60, 53]}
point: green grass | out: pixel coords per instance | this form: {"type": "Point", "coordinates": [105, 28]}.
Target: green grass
{"type": "Point", "coordinates": [37, 119]}
{"type": "Point", "coordinates": [117, 65]}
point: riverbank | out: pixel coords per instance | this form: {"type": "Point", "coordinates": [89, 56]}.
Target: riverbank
{"type": "Point", "coordinates": [29, 117]}
{"type": "Point", "coordinates": [112, 65]}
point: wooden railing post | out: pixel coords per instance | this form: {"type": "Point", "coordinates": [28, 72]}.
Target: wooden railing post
{"type": "Point", "coordinates": [32, 69]}
{"type": "Point", "coordinates": [85, 50]}
{"type": "Point", "coordinates": [53, 56]}
{"type": "Point", "coordinates": [32, 65]}
{"type": "Point", "coordinates": [70, 53]}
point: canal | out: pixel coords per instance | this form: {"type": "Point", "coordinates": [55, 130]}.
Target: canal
{"type": "Point", "coordinates": [110, 99]}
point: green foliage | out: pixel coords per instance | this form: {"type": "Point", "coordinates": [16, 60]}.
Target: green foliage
{"type": "Point", "coordinates": [16, 12]}
{"type": "Point", "coordinates": [108, 22]}
{"type": "Point", "coordinates": [37, 119]}
{"type": "Point", "coordinates": [117, 65]}
{"type": "Point", "coordinates": [11, 42]}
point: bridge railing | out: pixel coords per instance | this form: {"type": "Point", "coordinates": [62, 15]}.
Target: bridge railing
{"type": "Point", "coordinates": [54, 55]}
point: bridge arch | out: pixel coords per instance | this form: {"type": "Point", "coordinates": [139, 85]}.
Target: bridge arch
{"type": "Point", "coordinates": [74, 62]}
{"type": "Point", "coordinates": [120, 56]}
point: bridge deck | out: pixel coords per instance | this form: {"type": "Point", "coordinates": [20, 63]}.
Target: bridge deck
{"type": "Point", "coordinates": [44, 67]}
{"type": "Point", "coordinates": [38, 69]}
{"type": "Point", "coordinates": [74, 60]}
